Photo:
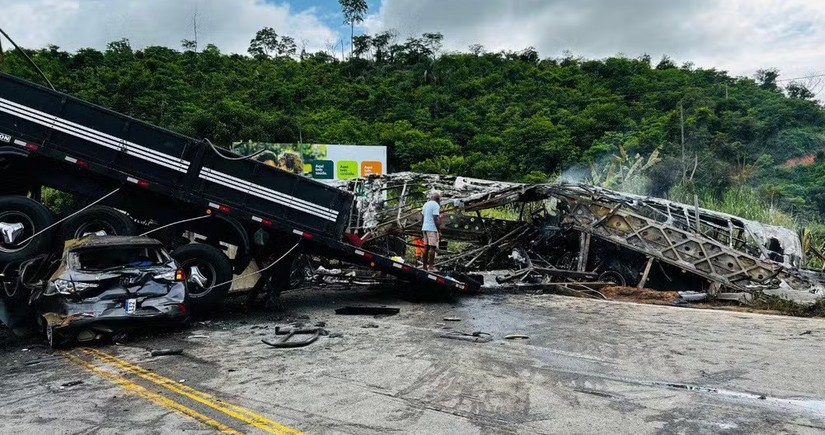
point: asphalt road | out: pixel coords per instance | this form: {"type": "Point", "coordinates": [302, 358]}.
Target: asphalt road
{"type": "Point", "coordinates": [588, 367]}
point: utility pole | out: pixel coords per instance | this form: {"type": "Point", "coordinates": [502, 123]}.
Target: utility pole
{"type": "Point", "coordinates": [195, 25]}
{"type": "Point", "coordinates": [2, 57]}
{"type": "Point", "coordinates": [682, 127]}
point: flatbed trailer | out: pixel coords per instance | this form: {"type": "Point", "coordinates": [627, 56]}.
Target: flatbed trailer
{"type": "Point", "coordinates": [158, 177]}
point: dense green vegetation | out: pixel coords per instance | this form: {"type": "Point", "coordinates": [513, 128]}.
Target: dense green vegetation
{"type": "Point", "coordinates": [507, 115]}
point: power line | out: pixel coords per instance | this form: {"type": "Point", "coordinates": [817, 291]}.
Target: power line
{"type": "Point", "coordinates": [803, 77]}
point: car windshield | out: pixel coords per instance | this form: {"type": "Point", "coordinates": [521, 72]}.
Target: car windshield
{"type": "Point", "coordinates": [117, 257]}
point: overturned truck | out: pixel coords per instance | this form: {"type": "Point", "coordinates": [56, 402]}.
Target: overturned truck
{"type": "Point", "coordinates": [217, 212]}
{"type": "Point", "coordinates": [549, 233]}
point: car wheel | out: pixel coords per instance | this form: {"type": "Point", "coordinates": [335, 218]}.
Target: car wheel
{"type": "Point", "coordinates": [205, 267]}
{"type": "Point", "coordinates": [301, 271]}
{"type": "Point", "coordinates": [21, 218]}
{"type": "Point", "coordinates": [100, 220]}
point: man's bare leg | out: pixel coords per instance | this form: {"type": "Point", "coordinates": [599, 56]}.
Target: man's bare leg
{"type": "Point", "coordinates": [431, 259]}
{"type": "Point", "coordinates": [425, 257]}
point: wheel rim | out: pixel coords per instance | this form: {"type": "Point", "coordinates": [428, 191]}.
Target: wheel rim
{"type": "Point", "coordinates": [97, 227]}
{"type": "Point", "coordinates": [16, 217]}
{"type": "Point", "coordinates": [614, 277]}
{"type": "Point", "coordinates": [200, 276]}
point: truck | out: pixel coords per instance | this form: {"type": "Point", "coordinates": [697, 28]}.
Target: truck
{"type": "Point", "coordinates": [127, 177]}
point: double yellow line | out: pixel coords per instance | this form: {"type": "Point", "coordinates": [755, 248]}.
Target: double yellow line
{"type": "Point", "coordinates": [236, 412]}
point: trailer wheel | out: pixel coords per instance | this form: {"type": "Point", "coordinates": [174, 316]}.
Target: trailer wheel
{"type": "Point", "coordinates": [20, 218]}
{"type": "Point", "coordinates": [98, 219]}
{"type": "Point", "coordinates": [205, 266]}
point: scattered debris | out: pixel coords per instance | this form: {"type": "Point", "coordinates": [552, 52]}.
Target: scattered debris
{"type": "Point", "coordinates": [70, 384]}
{"type": "Point", "coordinates": [367, 311]}
{"type": "Point", "coordinates": [534, 235]}
{"type": "Point", "coordinates": [42, 360]}
{"type": "Point", "coordinates": [808, 332]}
{"type": "Point", "coordinates": [475, 337]}
{"type": "Point", "coordinates": [285, 343]}
{"type": "Point", "coordinates": [197, 336]}
{"type": "Point", "coordinates": [452, 319]}
{"type": "Point", "coordinates": [516, 337]}
{"type": "Point", "coordinates": [164, 352]}
{"type": "Point", "coordinates": [370, 325]}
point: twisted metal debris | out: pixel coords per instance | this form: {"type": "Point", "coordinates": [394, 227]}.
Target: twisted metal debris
{"type": "Point", "coordinates": [546, 233]}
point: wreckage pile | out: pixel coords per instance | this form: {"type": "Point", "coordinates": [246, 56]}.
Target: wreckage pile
{"type": "Point", "coordinates": [515, 234]}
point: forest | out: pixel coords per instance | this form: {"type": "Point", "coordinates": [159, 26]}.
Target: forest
{"type": "Point", "coordinates": [748, 145]}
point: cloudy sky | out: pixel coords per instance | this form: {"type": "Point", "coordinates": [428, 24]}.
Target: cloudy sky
{"type": "Point", "coordinates": [739, 36]}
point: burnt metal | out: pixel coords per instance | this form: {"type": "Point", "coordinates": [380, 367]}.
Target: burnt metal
{"type": "Point", "coordinates": [549, 233]}
{"type": "Point", "coordinates": [367, 311]}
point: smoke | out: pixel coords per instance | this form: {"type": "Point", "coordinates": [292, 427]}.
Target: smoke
{"type": "Point", "coordinates": [575, 174]}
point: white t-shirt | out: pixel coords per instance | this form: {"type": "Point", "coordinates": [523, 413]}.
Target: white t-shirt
{"type": "Point", "coordinates": [431, 210]}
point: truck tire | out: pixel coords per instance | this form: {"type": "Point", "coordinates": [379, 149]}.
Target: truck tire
{"type": "Point", "coordinates": [34, 217]}
{"type": "Point", "coordinates": [205, 266]}
{"type": "Point", "coordinates": [97, 218]}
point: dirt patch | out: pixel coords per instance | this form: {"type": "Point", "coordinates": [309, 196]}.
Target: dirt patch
{"type": "Point", "coordinates": [645, 296]}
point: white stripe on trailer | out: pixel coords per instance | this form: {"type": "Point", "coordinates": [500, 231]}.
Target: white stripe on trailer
{"type": "Point", "coordinates": [50, 123]}
{"type": "Point", "coordinates": [82, 129]}
{"type": "Point", "coordinates": [298, 232]}
{"type": "Point", "coordinates": [19, 142]}
{"type": "Point", "coordinates": [360, 252]}
{"type": "Point", "coordinates": [94, 136]}
{"type": "Point", "coordinates": [213, 205]}
{"type": "Point", "coordinates": [246, 187]}
{"type": "Point", "coordinates": [70, 159]}
{"type": "Point", "coordinates": [132, 180]}
{"type": "Point", "coordinates": [257, 219]}
{"type": "Point", "coordinates": [299, 203]}
{"type": "Point", "coordinates": [398, 265]}
{"type": "Point", "coordinates": [432, 277]}
{"type": "Point", "coordinates": [241, 188]}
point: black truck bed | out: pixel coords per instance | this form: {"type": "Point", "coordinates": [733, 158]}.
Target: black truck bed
{"type": "Point", "coordinates": [112, 145]}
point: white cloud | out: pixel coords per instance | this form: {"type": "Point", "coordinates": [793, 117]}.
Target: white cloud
{"type": "Point", "coordinates": [739, 36]}
{"type": "Point", "coordinates": [229, 24]}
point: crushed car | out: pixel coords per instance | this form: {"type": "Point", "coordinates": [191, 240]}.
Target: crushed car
{"type": "Point", "coordinates": [110, 285]}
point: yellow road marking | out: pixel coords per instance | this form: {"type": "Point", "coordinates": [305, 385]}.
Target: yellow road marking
{"type": "Point", "coordinates": [151, 395]}
{"type": "Point", "coordinates": [232, 410]}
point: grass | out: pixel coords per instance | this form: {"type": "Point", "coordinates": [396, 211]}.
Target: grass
{"type": "Point", "coordinates": [762, 301]}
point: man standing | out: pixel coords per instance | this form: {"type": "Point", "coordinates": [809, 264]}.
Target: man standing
{"type": "Point", "coordinates": [432, 222]}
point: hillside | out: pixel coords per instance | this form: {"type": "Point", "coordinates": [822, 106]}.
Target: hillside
{"type": "Point", "coordinates": [509, 115]}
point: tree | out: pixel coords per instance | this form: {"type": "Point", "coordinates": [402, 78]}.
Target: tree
{"type": "Point", "coordinates": [665, 63]}
{"type": "Point", "coordinates": [800, 91]}
{"type": "Point", "coordinates": [432, 41]}
{"type": "Point", "coordinates": [767, 78]}
{"type": "Point", "coordinates": [265, 42]}
{"type": "Point", "coordinates": [354, 11]}
{"type": "Point", "coordinates": [476, 49]}
{"type": "Point", "coordinates": [188, 45]}
{"type": "Point", "coordinates": [380, 43]}
{"type": "Point", "coordinates": [361, 44]}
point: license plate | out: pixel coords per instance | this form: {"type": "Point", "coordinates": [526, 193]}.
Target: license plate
{"type": "Point", "coordinates": [130, 306]}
